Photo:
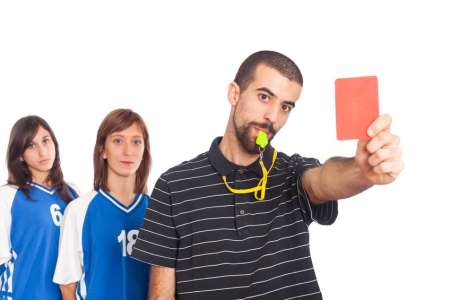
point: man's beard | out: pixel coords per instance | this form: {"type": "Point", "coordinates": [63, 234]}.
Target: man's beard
{"type": "Point", "coordinates": [244, 138]}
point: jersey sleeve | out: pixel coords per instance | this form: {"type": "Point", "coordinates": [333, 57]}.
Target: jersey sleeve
{"type": "Point", "coordinates": [157, 242]}
{"type": "Point", "coordinates": [324, 214]}
{"type": "Point", "coordinates": [7, 194]}
{"type": "Point", "coordinates": [69, 266]}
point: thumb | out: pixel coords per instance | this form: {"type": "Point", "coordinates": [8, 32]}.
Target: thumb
{"type": "Point", "coordinates": [361, 148]}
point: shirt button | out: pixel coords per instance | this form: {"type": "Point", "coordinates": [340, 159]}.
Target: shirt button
{"type": "Point", "coordinates": [242, 212]}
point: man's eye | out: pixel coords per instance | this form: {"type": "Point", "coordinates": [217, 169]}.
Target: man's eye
{"type": "Point", "coordinates": [263, 97]}
{"type": "Point", "coordinates": [286, 108]}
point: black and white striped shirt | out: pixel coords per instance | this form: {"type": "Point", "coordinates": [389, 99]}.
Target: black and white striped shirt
{"type": "Point", "coordinates": [230, 246]}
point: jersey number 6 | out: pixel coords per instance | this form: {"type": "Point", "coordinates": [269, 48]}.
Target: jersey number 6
{"type": "Point", "coordinates": [55, 211]}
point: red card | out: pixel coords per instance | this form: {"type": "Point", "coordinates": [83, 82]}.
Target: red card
{"type": "Point", "coordinates": [356, 106]}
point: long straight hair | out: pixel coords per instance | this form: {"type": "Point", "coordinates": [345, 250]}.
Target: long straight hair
{"type": "Point", "coordinates": [118, 120]}
{"type": "Point", "coordinates": [22, 134]}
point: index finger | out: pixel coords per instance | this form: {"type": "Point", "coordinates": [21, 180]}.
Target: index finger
{"type": "Point", "coordinates": [381, 123]}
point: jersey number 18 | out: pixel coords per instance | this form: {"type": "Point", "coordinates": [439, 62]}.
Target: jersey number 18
{"type": "Point", "coordinates": [127, 240]}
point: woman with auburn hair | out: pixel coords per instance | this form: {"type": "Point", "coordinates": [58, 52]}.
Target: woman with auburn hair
{"type": "Point", "coordinates": [100, 229]}
{"type": "Point", "coordinates": [31, 209]}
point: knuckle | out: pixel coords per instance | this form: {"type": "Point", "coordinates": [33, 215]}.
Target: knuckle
{"type": "Point", "coordinates": [379, 155]}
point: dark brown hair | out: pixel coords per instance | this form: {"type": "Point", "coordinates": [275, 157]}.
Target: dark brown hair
{"type": "Point", "coordinates": [22, 134]}
{"type": "Point", "coordinates": [118, 120]}
{"type": "Point", "coordinates": [275, 60]}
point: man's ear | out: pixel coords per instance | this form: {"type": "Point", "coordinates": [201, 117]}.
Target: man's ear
{"type": "Point", "coordinates": [233, 93]}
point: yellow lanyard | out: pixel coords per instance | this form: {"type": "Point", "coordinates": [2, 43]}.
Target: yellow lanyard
{"type": "Point", "coordinates": [261, 186]}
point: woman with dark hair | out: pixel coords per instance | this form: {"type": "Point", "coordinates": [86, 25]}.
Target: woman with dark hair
{"type": "Point", "coordinates": [31, 209]}
{"type": "Point", "coordinates": [100, 229]}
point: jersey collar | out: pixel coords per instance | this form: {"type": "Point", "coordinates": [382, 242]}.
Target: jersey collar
{"type": "Point", "coordinates": [43, 188]}
{"type": "Point", "coordinates": [118, 204]}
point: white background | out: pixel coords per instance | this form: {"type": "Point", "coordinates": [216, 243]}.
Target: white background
{"type": "Point", "coordinates": [73, 62]}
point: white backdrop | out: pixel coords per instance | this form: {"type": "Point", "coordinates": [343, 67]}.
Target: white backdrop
{"type": "Point", "coordinates": [73, 62]}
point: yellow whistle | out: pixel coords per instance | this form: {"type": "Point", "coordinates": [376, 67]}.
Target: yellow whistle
{"type": "Point", "coordinates": [261, 139]}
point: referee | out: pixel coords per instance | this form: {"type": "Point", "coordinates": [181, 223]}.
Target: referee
{"type": "Point", "coordinates": [232, 223]}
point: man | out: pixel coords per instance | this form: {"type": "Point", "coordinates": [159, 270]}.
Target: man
{"type": "Point", "coordinates": [209, 235]}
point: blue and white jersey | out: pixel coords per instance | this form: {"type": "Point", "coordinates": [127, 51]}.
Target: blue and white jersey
{"type": "Point", "coordinates": [29, 234]}
{"type": "Point", "coordinates": [97, 237]}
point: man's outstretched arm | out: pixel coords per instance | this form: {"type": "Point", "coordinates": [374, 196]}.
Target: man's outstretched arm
{"type": "Point", "coordinates": [377, 161]}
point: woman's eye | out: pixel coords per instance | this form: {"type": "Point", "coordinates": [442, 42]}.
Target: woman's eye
{"type": "Point", "coordinates": [137, 142]}
{"type": "Point", "coordinates": [117, 141]}
{"type": "Point", "coordinates": [31, 146]}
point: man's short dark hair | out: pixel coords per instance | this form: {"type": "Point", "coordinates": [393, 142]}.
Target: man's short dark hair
{"type": "Point", "coordinates": [272, 59]}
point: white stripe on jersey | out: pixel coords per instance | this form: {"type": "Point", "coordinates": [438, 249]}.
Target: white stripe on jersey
{"type": "Point", "coordinates": [6, 284]}
{"type": "Point", "coordinates": [81, 289]}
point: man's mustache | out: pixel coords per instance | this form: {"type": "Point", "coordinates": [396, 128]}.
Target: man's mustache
{"type": "Point", "coordinates": [267, 126]}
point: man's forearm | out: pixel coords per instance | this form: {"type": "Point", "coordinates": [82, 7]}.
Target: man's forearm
{"type": "Point", "coordinates": [162, 283]}
{"type": "Point", "coordinates": [337, 178]}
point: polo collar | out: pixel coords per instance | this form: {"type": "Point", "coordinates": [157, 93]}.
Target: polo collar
{"type": "Point", "coordinates": [226, 167]}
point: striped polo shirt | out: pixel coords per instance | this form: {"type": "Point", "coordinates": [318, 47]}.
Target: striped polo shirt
{"type": "Point", "coordinates": [231, 246]}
